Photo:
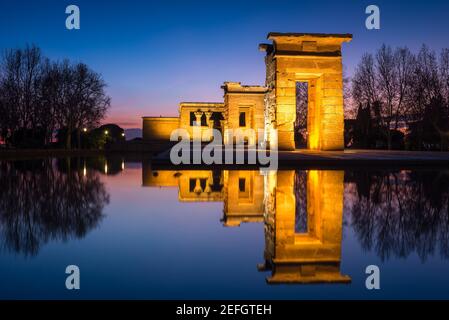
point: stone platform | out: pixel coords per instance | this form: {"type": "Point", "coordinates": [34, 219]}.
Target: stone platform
{"type": "Point", "coordinates": [365, 158]}
{"type": "Point", "coordinates": [341, 159]}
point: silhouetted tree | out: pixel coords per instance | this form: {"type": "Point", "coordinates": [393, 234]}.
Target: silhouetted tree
{"type": "Point", "coordinates": [38, 96]}
{"type": "Point", "coordinates": [83, 101]}
{"type": "Point", "coordinates": [19, 81]}
{"type": "Point", "coordinates": [402, 89]}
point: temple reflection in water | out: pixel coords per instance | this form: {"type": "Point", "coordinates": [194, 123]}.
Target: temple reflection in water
{"type": "Point", "coordinates": [302, 212]}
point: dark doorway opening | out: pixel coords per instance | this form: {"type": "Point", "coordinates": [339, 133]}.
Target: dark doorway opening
{"type": "Point", "coordinates": [302, 104]}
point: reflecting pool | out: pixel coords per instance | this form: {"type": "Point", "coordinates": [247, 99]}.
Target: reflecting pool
{"type": "Point", "coordinates": [137, 231]}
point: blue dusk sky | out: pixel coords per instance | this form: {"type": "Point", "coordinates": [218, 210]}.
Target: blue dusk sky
{"type": "Point", "coordinates": [154, 54]}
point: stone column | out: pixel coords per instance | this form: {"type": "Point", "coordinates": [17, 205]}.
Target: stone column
{"type": "Point", "coordinates": [198, 115]}
{"type": "Point", "coordinates": [222, 125]}
{"type": "Point", "coordinates": [197, 188]}
{"type": "Point", "coordinates": [209, 120]}
{"type": "Point", "coordinates": [210, 124]}
{"type": "Point", "coordinates": [197, 131]}
{"type": "Point", "coordinates": [208, 189]}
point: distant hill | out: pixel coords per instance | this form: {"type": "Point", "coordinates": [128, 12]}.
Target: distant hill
{"type": "Point", "coordinates": [133, 133]}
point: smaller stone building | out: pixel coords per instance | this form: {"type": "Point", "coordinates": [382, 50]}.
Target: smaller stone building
{"type": "Point", "coordinates": [158, 128]}
{"type": "Point", "coordinates": [243, 108]}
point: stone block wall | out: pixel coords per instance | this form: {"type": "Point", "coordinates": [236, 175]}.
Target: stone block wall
{"type": "Point", "coordinates": [312, 257]}
{"type": "Point", "coordinates": [312, 58]}
{"type": "Point", "coordinates": [158, 128]}
{"type": "Point", "coordinates": [243, 205]}
{"type": "Point", "coordinates": [186, 108]}
{"type": "Point", "coordinates": [249, 99]}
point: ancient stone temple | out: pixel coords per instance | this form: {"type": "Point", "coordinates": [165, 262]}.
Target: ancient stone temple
{"type": "Point", "coordinates": [291, 59]}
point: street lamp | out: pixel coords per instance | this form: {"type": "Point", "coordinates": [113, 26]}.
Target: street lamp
{"type": "Point", "coordinates": [106, 132]}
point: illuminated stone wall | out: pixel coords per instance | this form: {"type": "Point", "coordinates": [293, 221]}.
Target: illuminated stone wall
{"type": "Point", "coordinates": [158, 128]}
{"type": "Point", "coordinates": [198, 108]}
{"type": "Point", "coordinates": [248, 99]}
{"type": "Point", "coordinates": [313, 256]}
{"type": "Point", "coordinates": [312, 58]}
{"type": "Point", "coordinates": [159, 178]}
{"type": "Point", "coordinates": [243, 199]}
{"type": "Point", "coordinates": [241, 191]}
{"type": "Point", "coordinates": [198, 186]}
{"type": "Point", "coordinates": [291, 58]}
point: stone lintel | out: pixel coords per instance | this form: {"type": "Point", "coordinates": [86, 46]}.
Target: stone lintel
{"type": "Point", "coordinates": [307, 44]}
{"type": "Point", "coordinates": [290, 53]}
{"type": "Point", "coordinates": [275, 36]}
{"type": "Point", "coordinates": [237, 87]}
{"type": "Point", "coordinates": [201, 105]}
{"type": "Point", "coordinates": [154, 118]}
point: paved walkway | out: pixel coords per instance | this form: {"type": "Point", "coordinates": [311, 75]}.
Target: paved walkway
{"type": "Point", "coordinates": [364, 155]}
{"type": "Point", "coordinates": [349, 158]}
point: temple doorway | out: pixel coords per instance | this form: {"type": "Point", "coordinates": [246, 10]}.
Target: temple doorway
{"type": "Point", "coordinates": [302, 105]}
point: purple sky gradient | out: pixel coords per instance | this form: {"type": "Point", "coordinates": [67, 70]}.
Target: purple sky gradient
{"type": "Point", "coordinates": [155, 54]}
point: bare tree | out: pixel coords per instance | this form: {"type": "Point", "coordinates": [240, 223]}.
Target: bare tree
{"type": "Point", "coordinates": [82, 101]}
{"type": "Point", "coordinates": [405, 65]}
{"type": "Point", "coordinates": [398, 87]}
{"type": "Point", "coordinates": [364, 82]}
{"type": "Point", "coordinates": [20, 84]}
{"type": "Point", "coordinates": [350, 108]}
{"type": "Point", "coordinates": [425, 79]}
{"type": "Point", "coordinates": [426, 88]}
{"type": "Point", "coordinates": [38, 96]}
{"type": "Point", "coordinates": [94, 101]}
{"type": "Point", "coordinates": [11, 90]}
{"type": "Point", "coordinates": [387, 85]}
{"type": "Point", "coordinates": [47, 112]}
{"type": "Point", "coordinates": [444, 74]}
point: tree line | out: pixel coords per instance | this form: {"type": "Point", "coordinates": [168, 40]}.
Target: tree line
{"type": "Point", "coordinates": [399, 100]}
{"type": "Point", "coordinates": [39, 97]}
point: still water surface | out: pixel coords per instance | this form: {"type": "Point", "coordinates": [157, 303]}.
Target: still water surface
{"type": "Point", "coordinates": [139, 232]}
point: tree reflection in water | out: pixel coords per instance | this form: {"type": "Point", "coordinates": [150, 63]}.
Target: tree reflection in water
{"type": "Point", "coordinates": [398, 213]}
{"type": "Point", "coordinates": [40, 203]}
